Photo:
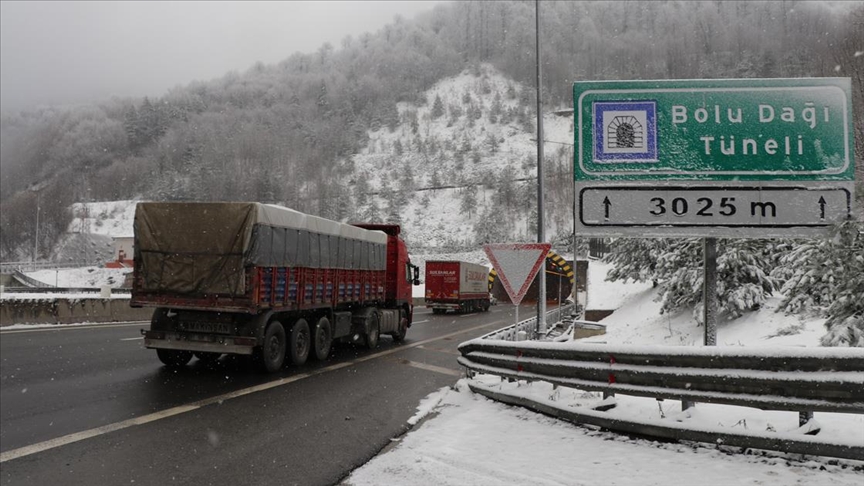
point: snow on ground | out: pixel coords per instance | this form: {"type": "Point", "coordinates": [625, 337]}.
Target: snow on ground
{"type": "Point", "coordinates": [92, 277]}
{"type": "Point", "coordinates": [637, 319]}
{"type": "Point", "coordinates": [467, 439]}
{"type": "Point", "coordinates": [109, 218]}
{"type": "Point", "coordinates": [470, 440]}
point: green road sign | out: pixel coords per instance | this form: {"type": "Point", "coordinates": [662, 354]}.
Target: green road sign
{"type": "Point", "coordinates": [773, 157]}
{"type": "Point", "coordinates": [725, 129]}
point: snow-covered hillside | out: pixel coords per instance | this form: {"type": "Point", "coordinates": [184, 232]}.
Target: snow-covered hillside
{"type": "Point", "coordinates": [90, 235]}
{"type": "Point", "coordinates": [474, 136]}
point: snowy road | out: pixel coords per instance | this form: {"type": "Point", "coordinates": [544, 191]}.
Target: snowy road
{"type": "Point", "coordinates": [88, 405]}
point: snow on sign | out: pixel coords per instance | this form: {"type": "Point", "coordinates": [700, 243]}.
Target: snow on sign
{"type": "Point", "coordinates": [517, 264]}
{"type": "Point", "coordinates": [730, 158]}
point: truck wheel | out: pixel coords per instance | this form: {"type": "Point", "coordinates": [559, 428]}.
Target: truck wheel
{"type": "Point", "coordinates": [322, 338]}
{"type": "Point", "coordinates": [437, 311]}
{"type": "Point", "coordinates": [486, 306]}
{"type": "Point", "coordinates": [399, 335]}
{"type": "Point", "coordinates": [273, 347]}
{"type": "Point", "coordinates": [299, 342]}
{"type": "Point", "coordinates": [374, 333]}
{"type": "Point", "coordinates": [173, 358]}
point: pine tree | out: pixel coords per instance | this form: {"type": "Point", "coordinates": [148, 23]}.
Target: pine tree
{"type": "Point", "coordinates": [497, 109]}
{"type": "Point", "coordinates": [634, 258]}
{"type": "Point", "coordinates": [437, 107]}
{"type": "Point", "coordinates": [491, 227]}
{"type": "Point", "coordinates": [469, 201]}
{"type": "Point", "coordinates": [492, 142]}
{"type": "Point", "coordinates": [743, 282]}
{"type": "Point", "coordinates": [371, 213]}
{"type": "Point", "coordinates": [846, 314]}
{"type": "Point", "coordinates": [830, 274]}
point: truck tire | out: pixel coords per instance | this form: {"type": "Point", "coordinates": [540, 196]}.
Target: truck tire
{"type": "Point", "coordinates": [299, 342]}
{"type": "Point", "coordinates": [322, 338]}
{"type": "Point", "coordinates": [374, 332]}
{"type": "Point", "coordinates": [174, 358]}
{"type": "Point", "coordinates": [399, 335]}
{"type": "Point", "coordinates": [435, 310]}
{"type": "Point", "coordinates": [273, 347]}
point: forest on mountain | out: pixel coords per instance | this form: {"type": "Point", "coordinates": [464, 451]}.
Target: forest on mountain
{"type": "Point", "coordinates": [283, 133]}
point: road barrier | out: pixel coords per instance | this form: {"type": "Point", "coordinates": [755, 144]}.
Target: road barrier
{"type": "Point", "coordinates": [10, 267]}
{"type": "Point", "coordinates": [814, 379]}
{"type": "Point", "coordinates": [68, 310]}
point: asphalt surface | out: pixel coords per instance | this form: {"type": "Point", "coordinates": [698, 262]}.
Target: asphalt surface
{"type": "Point", "coordinates": [90, 405]}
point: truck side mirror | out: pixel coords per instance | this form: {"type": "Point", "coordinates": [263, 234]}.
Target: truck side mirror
{"type": "Point", "coordinates": [416, 276]}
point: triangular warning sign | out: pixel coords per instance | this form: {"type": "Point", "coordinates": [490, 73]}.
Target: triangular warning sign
{"type": "Point", "coordinates": [517, 264]}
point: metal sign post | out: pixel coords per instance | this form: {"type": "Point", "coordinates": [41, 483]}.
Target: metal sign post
{"type": "Point", "coordinates": [709, 290]}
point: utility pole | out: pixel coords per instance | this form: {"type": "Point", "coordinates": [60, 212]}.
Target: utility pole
{"type": "Point", "coordinates": [541, 232]}
{"type": "Point", "coordinates": [36, 239]}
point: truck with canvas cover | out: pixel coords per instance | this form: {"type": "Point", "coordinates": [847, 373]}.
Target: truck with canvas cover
{"type": "Point", "coordinates": [263, 280]}
{"type": "Point", "coordinates": [458, 286]}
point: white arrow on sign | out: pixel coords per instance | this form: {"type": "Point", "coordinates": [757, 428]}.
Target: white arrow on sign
{"type": "Point", "coordinates": [517, 264]}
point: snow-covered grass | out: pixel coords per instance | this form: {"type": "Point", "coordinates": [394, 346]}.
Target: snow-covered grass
{"type": "Point", "coordinates": [92, 277]}
{"type": "Point", "coordinates": [470, 440]}
{"type": "Point", "coordinates": [109, 218]}
{"type": "Point", "coordinates": [637, 319]}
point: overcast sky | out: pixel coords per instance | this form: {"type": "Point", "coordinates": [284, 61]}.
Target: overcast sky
{"type": "Point", "coordinates": [74, 52]}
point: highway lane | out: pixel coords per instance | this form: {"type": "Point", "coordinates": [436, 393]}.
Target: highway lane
{"type": "Point", "coordinates": [305, 425]}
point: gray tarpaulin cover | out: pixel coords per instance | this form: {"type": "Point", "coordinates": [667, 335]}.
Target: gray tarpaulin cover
{"type": "Point", "coordinates": [203, 248]}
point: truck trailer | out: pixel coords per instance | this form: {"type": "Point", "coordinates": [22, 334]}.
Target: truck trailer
{"type": "Point", "coordinates": [267, 281]}
{"type": "Point", "coordinates": [458, 286]}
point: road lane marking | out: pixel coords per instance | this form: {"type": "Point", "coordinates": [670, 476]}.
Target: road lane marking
{"type": "Point", "coordinates": [145, 419]}
{"type": "Point", "coordinates": [429, 367]}
{"type": "Point", "coordinates": [445, 351]}
{"type": "Point", "coordinates": [133, 339]}
{"type": "Point", "coordinates": [419, 322]}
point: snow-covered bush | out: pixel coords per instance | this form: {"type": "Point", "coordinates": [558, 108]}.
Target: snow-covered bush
{"type": "Point", "coordinates": [743, 282]}
{"type": "Point", "coordinates": [830, 273]}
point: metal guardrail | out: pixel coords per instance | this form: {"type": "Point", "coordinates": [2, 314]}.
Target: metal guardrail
{"type": "Point", "coordinates": [529, 326]}
{"type": "Point", "coordinates": [819, 379]}
{"type": "Point", "coordinates": [10, 267]}
{"type": "Point", "coordinates": [822, 380]}
{"type": "Point", "coordinates": [31, 283]}
{"type": "Point", "coordinates": [65, 290]}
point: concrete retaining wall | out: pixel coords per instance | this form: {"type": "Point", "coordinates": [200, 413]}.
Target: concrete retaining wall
{"type": "Point", "coordinates": [69, 311]}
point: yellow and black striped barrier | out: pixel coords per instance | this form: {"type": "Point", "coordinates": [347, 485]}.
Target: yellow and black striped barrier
{"type": "Point", "coordinates": [557, 260]}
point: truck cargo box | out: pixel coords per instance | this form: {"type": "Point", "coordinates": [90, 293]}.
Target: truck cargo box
{"type": "Point", "coordinates": [456, 285]}
{"type": "Point", "coordinates": [197, 249]}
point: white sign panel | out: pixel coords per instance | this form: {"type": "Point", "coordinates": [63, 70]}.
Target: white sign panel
{"type": "Point", "coordinates": [517, 264]}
